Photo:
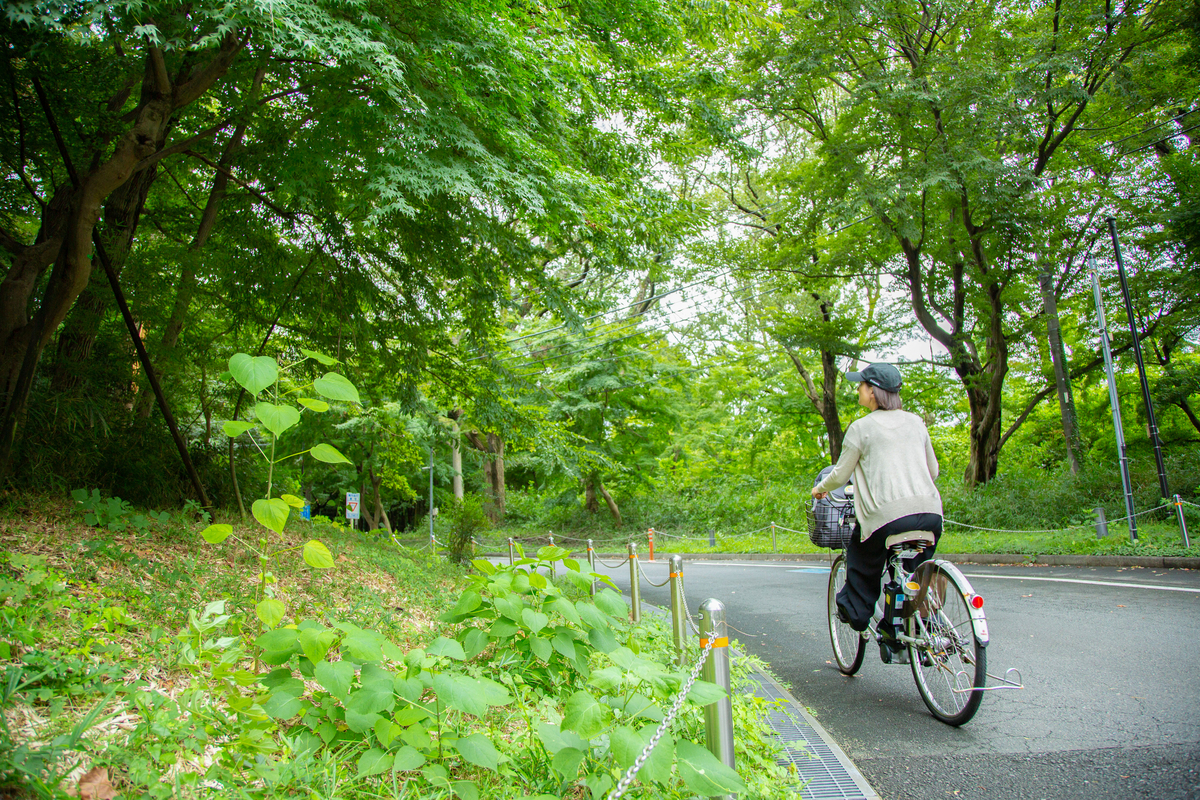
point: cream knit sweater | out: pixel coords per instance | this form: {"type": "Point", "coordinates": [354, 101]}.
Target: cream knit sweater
{"type": "Point", "coordinates": [892, 461]}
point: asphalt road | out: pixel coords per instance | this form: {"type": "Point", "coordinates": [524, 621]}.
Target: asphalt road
{"type": "Point", "coordinates": [1110, 659]}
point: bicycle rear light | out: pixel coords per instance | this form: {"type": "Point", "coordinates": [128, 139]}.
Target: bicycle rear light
{"type": "Point", "coordinates": [976, 601]}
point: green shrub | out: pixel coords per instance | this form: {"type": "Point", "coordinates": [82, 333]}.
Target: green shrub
{"type": "Point", "coordinates": [467, 519]}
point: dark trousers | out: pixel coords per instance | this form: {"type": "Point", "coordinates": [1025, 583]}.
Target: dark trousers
{"type": "Point", "coordinates": [865, 562]}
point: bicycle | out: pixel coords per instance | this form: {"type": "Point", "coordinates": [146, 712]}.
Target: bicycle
{"type": "Point", "coordinates": [934, 617]}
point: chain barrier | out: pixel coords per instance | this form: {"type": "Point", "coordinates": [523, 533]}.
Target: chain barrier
{"type": "Point", "coordinates": [687, 608]}
{"type": "Point", "coordinates": [657, 585]}
{"type": "Point", "coordinates": [625, 782]}
{"type": "Point", "coordinates": [1054, 530]}
{"type": "Point", "coordinates": [949, 521]}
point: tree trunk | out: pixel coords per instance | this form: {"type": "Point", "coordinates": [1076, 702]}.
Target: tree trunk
{"type": "Point", "coordinates": [493, 472]}
{"type": "Point", "coordinates": [1066, 400]}
{"type": "Point", "coordinates": [983, 381]}
{"type": "Point", "coordinates": [1191, 415]}
{"type": "Point", "coordinates": [65, 237]}
{"type": "Point", "coordinates": [824, 400]}
{"type": "Point", "coordinates": [456, 460]}
{"type": "Point", "coordinates": [590, 503]}
{"type": "Point", "coordinates": [612, 505]}
{"type": "Point", "coordinates": [122, 213]}
{"type": "Point", "coordinates": [378, 518]}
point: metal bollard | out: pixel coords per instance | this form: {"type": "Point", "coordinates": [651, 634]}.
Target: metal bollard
{"type": "Point", "coordinates": [712, 538]}
{"type": "Point", "coordinates": [1101, 523]}
{"type": "Point", "coordinates": [592, 564]}
{"type": "Point", "coordinates": [774, 547]}
{"type": "Point", "coordinates": [678, 612]}
{"type": "Point", "coordinates": [635, 591]}
{"type": "Point", "coordinates": [511, 557]}
{"type": "Point", "coordinates": [650, 535]}
{"type": "Point", "coordinates": [718, 716]}
{"type": "Point", "coordinates": [551, 535]}
{"type": "Point", "coordinates": [1178, 501]}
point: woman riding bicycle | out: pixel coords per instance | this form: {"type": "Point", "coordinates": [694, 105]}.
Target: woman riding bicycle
{"type": "Point", "coordinates": [891, 459]}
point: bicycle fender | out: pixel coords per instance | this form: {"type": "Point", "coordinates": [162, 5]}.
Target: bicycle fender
{"type": "Point", "coordinates": [978, 620]}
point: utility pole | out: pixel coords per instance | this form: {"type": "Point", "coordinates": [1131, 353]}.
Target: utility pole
{"type": "Point", "coordinates": [1151, 422]}
{"type": "Point", "coordinates": [1113, 399]}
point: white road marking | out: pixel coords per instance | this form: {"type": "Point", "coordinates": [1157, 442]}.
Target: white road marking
{"type": "Point", "coordinates": [1193, 589]}
{"type": "Point", "coordinates": [1119, 584]}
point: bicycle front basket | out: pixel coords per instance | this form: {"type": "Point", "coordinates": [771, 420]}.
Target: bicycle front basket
{"type": "Point", "coordinates": [829, 525]}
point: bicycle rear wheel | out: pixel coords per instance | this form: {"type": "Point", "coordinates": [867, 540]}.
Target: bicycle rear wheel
{"type": "Point", "coordinates": [949, 663]}
{"type": "Point", "coordinates": [848, 644]}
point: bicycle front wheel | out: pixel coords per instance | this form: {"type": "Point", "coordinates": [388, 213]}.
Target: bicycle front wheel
{"type": "Point", "coordinates": [848, 644]}
{"type": "Point", "coordinates": [949, 663]}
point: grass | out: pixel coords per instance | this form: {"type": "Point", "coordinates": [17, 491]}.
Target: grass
{"type": "Point", "coordinates": [1156, 537]}
{"type": "Point", "coordinates": [93, 673]}
{"type": "Point", "coordinates": [100, 626]}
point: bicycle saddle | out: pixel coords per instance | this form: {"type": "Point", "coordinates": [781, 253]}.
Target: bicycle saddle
{"type": "Point", "coordinates": [909, 537]}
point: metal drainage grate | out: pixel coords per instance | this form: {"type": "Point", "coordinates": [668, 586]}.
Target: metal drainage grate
{"type": "Point", "coordinates": [824, 770]}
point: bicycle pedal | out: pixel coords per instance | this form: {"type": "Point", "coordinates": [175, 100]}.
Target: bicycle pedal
{"type": "Point", "coordinates": [893, 656]}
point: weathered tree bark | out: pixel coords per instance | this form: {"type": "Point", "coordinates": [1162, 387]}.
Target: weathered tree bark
{"type": "Point", "coordinates": [456, 479]}
{"type": "Point", "coordinates": [70, 219]}
{"type": "Point", "coordinates": [982, 379]}
{"type": "Point", "coordinates": [612, 504]}
{"type": "Point", "coordinates": [590, 503]}
{"type": "Point", "coordinates": [122, 213]}
{"type": "Point", "coordinates": [492, 446]}
{"type": "Point", "coordinates": [1058, 357]}
{"type": "Point", "coordinates": [377, 518]}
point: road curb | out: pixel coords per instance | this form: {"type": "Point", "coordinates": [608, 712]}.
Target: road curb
{"type": "Point", "coordinates": [819, 761]}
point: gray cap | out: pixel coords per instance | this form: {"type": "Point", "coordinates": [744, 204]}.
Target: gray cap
{"type": "Point", "coordinates": [885, 376]}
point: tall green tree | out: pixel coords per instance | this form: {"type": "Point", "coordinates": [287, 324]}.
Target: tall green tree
{"type": "Point", "coordinates": [377, 175]}
{"type": "Point", "coordinates": [952, 126]}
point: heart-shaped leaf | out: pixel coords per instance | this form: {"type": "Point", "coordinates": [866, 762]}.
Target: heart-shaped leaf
{"type": "Point", "coordinates": [328, 454]}
{"type": "Point", "coordinates": [236, 428]}
{"type": "Point", "coordinates": [534, 620]}
{"type": "Point", "coordinates": [704, 693]}
{"type": "Point", "coordinates": [336, 387]}
{"type": "Point", "coordinates": [272, 513]}
{"type": "Point", "coordinates": [313, 405]}
{"type": "Point", "coordinates": [611, 603]}
{"type": "Point", "coordinates": [328, 361]}
{"type": "Point", "coordinates": [449, 648]}
{"type": "Point", "coordinates": [541, 648]}
{"type": "Point", "coordinates": [276, 418]}
{"type": "Point", "coordinates": [270, 611]}
{"type": "Point", "coordinates": [373, 762]}
{"type": "Point", "coordinates": [293, 501]}
{"type": "Point", "coordinates": [317, 555]}
{"type": "Point", "coordinates": [335, 677]}
{"type": "Point", "coordinates": [253, 373]}
{"type": "Point", "coordinates": [585, 715]}
{"type": "Point", "coordinates": [479, 750]}
{"type": "Point", "coordinates": [703, 773]}
{"type": "Point", "coordinates": [407, 758]}
{"type": "Point", "coordinates": [566, 762]}
{"type": "Point", "coordinates": [215, 534]}
{"type": "Point", "coordinates": [315, 643]}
